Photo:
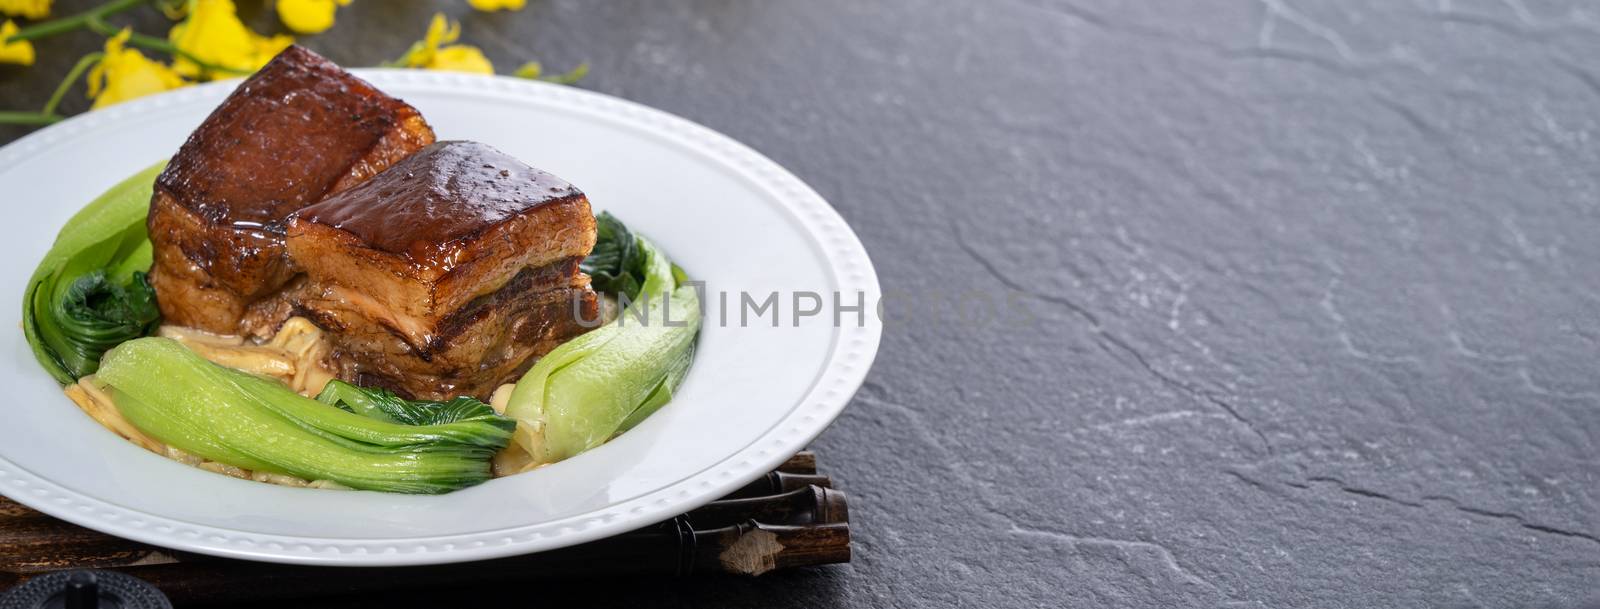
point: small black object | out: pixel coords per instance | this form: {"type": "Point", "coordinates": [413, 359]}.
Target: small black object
{"type": "Point", "coordinates": [85, 590]}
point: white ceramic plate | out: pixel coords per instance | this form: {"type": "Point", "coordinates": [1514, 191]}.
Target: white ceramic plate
{"type": "Point", "coordinates": [733, 218]}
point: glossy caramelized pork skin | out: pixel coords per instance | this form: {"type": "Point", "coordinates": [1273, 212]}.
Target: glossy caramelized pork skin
{"type": "Point", "coordinates": [454, 222]}
{"type": "Point", "coordinates": [297, 131]}
{"type": "Point", "coordinates": [446, 274]}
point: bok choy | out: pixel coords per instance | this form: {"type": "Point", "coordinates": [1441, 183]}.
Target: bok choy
{"type": "Point", "coordinates": [381, 443]}
{"type": "Point", "coordinates": [384, 405]}
{"type": "Point", "coordinates": [608, 380]}
{"type": "Point", "coordinates": [616, 264]}
{"type": "Point", "coordinates": [89, 293]}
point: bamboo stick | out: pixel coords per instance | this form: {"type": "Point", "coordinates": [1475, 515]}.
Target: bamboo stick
{"type": "Point", "coordinates": [803, 462]}
{"type": "Point", "coordinates": [778, 482]}
{"type": "Point", "coordinates": [809, 505]}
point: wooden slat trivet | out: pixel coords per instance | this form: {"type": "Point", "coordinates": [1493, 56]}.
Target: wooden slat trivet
{"type": "Point", "coordinates": [789, 518]}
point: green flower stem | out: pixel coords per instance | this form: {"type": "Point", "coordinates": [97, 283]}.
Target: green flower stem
{"type": "Point", "coordinates": [67, 24]}
{"type": "Point", "coordinates": [533, 70]}
{"type": "Point", "coordinates": [27, 118]}
{"type": "Point", "coordinates": [161, 46]}
{"type": "Point", "coordinates": [66, 83]}
{"type": "Point", "coordinates": [404, 61]}
{"type": "Point", "coordinates": [48, 114]}
{"type": "Point", "coordinates": [571, 77]}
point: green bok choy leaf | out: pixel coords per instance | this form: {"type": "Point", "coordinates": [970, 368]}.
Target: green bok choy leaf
{"type": "Point", "coordinates": [616, 265]}
{"type": "Point", "coordinates": [384, 405]}
{"type": "Point", "coordinates": [228, 416]}
{"type": "Point", "coordinates": [606, 381]}
{"type": "Point", "coordinates": [89, 293]}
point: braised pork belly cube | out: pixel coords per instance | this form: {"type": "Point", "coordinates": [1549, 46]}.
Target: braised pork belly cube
{"type": "Point", "coordinates": [297, 131]}
{"type": "Point", "coordinates": [448, 273]}
{"type": "Point", "coordinates": [454, 222]}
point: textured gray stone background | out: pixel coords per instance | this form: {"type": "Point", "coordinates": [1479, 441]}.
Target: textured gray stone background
{"type": "Point", "coordinates": [1309, 288]}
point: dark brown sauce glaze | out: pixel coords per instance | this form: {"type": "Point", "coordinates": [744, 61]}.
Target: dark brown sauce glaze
{"type": "Point", "coordinates": [297, 130]}
{"type": "Point", "coordinates": [430, 205]}
{"type": "Point", "coordinates": [281, 141]}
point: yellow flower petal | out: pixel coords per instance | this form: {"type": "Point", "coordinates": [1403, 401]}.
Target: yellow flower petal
{"type": "Point", "coordinates": [441, 31]}
{"type": "Point", "coordinates": [125, 74]}
{"type": "Point", "coordinates": [214, 33]}
{"type": "Point", "coordinates": [309, 16]}
{"type": "Point", "coordinates": [490, 6]}
{"type": "Point", "coordinates": [31, 9]}
{"type": "Point", "coordinates": [19, 52]}
{"type": "Point", "coordinates": [461, 58]}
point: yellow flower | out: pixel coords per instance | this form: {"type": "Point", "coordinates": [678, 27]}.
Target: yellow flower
{"type": "Point", "coordinates": [32, 9]}
{"type": "Point", "coordinates": [213, 33]}
{"type": "Point", "coordinates": [490, 6]}
{"type": "Point", "coordinates": [124, 74]}
{"type": "Point", "coordinates": [434, 51]}
{"type": "Point", "coordinates": [19, 52]}
{"type": "Point", "coordinates": [461, 58]}
{"type": "Point", "coordinates": [309, 16]}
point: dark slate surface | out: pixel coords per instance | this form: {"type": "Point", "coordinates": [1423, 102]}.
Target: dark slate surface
{"type": "Point", "coordinates": [1304, 293]}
